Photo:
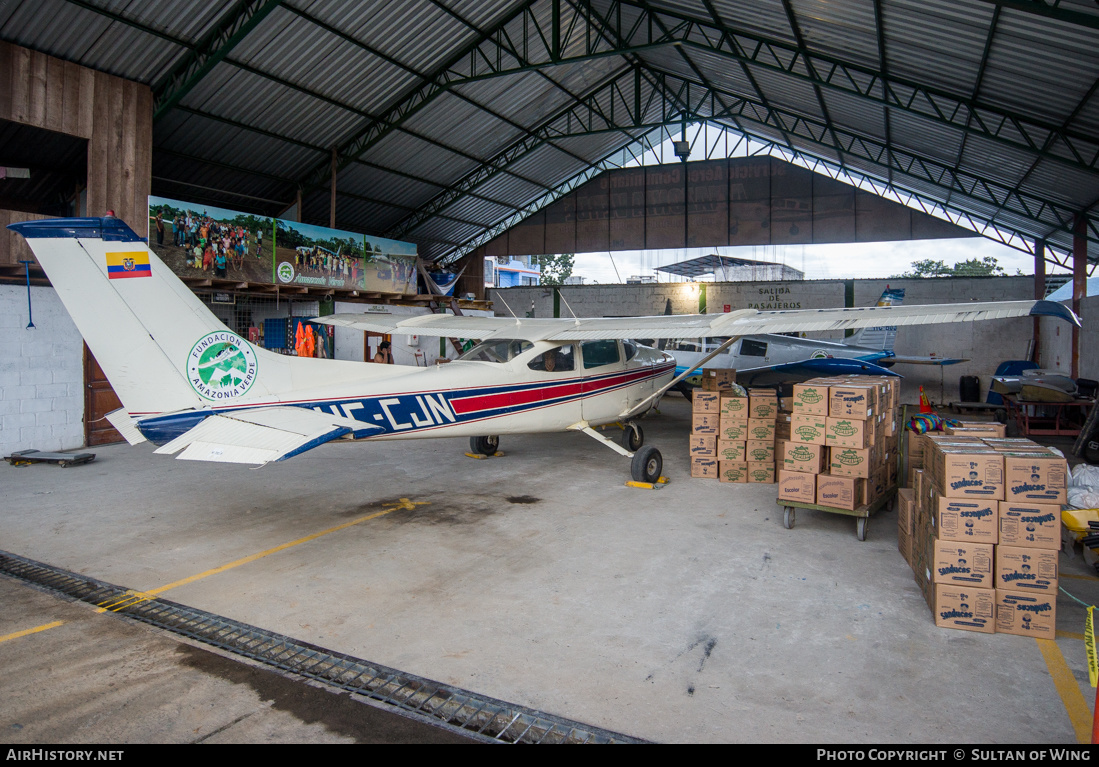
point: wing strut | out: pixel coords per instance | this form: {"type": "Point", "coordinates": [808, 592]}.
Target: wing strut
{"type": "Point", "coordinates": [643, 404]}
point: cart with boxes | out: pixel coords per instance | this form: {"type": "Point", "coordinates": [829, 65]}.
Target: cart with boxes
{"type": "Point", "coordinates": [838, 448]}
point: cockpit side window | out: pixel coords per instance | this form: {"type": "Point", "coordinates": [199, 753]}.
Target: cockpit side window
{"type": "Point", "coordinates": [752, 348]}
{"type": "Point", "coordinates": [497, 350]}
{"type": "Point", "coordinates": [557, 360]}
{"type": "Point", "coordinates": [599, 353]}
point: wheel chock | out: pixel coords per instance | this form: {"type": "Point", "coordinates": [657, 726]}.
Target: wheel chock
{"type": "Point", "coordinates": [644, 485]}
{"type": "Point", "coordinates": [482, 456]}
{"type": "Point", "coordinates": [662, 481]}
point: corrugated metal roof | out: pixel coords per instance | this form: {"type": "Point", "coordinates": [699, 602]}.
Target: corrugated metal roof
{"type": "Point", "coordinates": [375, 80]}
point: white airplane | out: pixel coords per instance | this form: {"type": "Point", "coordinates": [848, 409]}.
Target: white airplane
{"type": "Point", "coordinates": [155, 341]}
{"type": "Point", "coordinates": [766, 360]}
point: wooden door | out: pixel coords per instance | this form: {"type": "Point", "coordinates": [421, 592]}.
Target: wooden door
{"type": "Point", "coordinates": [99, 399]}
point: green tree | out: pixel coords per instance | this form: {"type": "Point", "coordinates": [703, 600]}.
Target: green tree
{"type": "Point", "coordinates": [974, 267]}
{"type": "Point", "coordinates": [555, 268]}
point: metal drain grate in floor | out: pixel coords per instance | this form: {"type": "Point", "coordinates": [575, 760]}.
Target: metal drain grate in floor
{"type": "Point", "coordinates": [468, 712]}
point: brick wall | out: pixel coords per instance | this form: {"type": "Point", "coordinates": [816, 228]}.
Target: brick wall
{"type": "Point", "coordinates": [41, 374]}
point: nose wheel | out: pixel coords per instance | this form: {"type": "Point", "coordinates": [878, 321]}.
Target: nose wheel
{"type": "Point", "coordinates": [484, 445]}
{"type": "Point", "coordinates": [646, 465]}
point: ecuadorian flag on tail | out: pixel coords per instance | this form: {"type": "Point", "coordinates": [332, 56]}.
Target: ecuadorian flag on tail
{"type": "Point", "coordinates": [131, 263]}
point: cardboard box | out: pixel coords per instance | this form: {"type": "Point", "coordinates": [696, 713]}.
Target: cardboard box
{"type": "Point", "coordinates": [808, 429]}
{"type": "Point", "coordinates": [904, 545]}
{"type": "Point", "coordinates": [761, 473]}
{"type": "Point", "coordinates": [733, 406]}
{"type": "Point", "coordinates": [964, 471]}
{"type": "Point", "coordinates": [851, 401]}
{"type": "Point", "coordinates": [797, 486]}
{"type": "Point", "coordinates": [906, 510]}
{"type": "Point", "coordinates": [760, 451]}
{"type": "Point", "coordinates": [1026, 614]}
{"type": "Point", "coordinates": [1035, 477]}
{"type": "Point", "coordinates": [849, 462]}
{"type": "Point", "coordinates": [762, 404]}
{"type": "Point", "coordinates": [704, 468]}
{"type": "Point", "coordinates": [966, 519]}
{"type": "Point", "coordinates": [730, 450]}
{"type": "Point", "coordinates": [845, 432]}
{"type": "Point", "coordinates": [733, 431]}
{"type": "Point", "coordinates": [839, 492]}
{"type": "Point", "coordinates": [1024, 570]}
{"type": "Point", "coordinates": [733, 471]}
{"type": "Point", "coordinates": [1030, 525]}
{"type": "Point", "coordinates": [782, 427]}
{"type": "Point", "coordinates": [964, 607]}
{"type": "Point", "coordinates": [704, 423]}
{"type": "Point", "coordinates": [705, 402]}
{"type": "Point", "coordinates": [704, 445]}
{"type": "Point", "coordinates": [809, 399]}
{"type": "Point", "coordinates": [761, 430]}
{"type": "Point", "coordinates": [804, 458]}
{"type": "Point", "coordinates": [716, 379]}
{"type": "Point", "coordinates": [963, 563]}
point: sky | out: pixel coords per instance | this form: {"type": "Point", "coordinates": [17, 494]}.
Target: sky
{"type": "Point", "coordinates": [819, 262]}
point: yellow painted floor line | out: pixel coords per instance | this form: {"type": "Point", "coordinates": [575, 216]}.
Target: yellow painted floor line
{"type": "Point", "coordinates": [28, 632]}
{"type": "Point", "coordinates": [269, 552]}
{"type": "Point", "coordinates": [1078, 712]}
{"type": "Point", "coordinates": [1069, 635]}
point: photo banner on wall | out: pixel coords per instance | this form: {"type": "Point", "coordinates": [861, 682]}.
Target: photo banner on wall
{"type": "Point", "coordinates": [318, 256]}
{"type": "Point", "coordinates": [201, 240]}
{"type": "Point", "coordinates": [197, 240]}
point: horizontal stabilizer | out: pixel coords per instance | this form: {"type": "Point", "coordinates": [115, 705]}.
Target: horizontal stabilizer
{"type": "Point", "coordinates": [262, 435]}
{"type": "Point", "coordinates": [125, 426]}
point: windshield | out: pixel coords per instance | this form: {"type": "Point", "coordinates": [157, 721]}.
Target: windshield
{"type": "Point", "coordinates": [497, 350]}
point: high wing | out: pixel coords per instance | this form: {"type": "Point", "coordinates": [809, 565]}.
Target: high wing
{"type": "Point", "coordinates": [738, 323]}
{"type": "Point", "coordinates": [904, 359]}
{"type": "Point", "coordinates": [261, 435]}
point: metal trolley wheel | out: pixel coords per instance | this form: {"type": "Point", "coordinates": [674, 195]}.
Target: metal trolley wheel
{"type": "Point", "coordinates": [788, 517]}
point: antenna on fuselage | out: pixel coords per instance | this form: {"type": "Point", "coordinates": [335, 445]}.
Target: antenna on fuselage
{"type": "Point", "coordinates": [505, 303]}
{"type": "Point", "coordinates": [567, 305]}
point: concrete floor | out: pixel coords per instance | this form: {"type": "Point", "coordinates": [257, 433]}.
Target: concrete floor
{"type": "Point", "coordinates": [681, 614]}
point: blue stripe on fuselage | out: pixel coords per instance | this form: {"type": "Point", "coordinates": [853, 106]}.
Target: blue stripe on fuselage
{"type": "Point", "coordinates": [389, 414]}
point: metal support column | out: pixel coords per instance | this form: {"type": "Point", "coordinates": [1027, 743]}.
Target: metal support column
{"type": "Point", "coordinates": [1039, 294]}
{"type": "Point", "coordinates": [332, 199]}
{"type": "Point", "coordinates": [1079, 281]}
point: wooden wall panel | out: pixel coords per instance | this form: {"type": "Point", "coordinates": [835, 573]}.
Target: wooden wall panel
{"type": "Point", "coordinates": [13, 248]}
{"type": "Point", "coordinates": [115, 115]}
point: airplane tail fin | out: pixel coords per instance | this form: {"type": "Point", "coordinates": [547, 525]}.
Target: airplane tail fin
{"type": "Point", "coordinates": [162, 349]}
{"type": "Point", "coordinates": [882, 337]}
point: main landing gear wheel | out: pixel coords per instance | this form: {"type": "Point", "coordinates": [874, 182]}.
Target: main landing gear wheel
{"type": "Point", "coordinates": [788, 517]}
{"type": "Point", "coordinates": [484, 445]}
{"type": "Point", "coordinates": [632, 437]}
{"type": "Point", "coordinates": [860, 528]}
{"type": "Point", "coordinates": [647, 465]}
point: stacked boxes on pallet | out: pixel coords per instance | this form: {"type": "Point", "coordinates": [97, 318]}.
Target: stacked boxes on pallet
{"type": "Point", "coordinates": [981, 530]}
{"type": "Point", "coordinates": [839, 442]}
{"type": "Point", "coordinates": [746, 435]}
{"type": "Point", "coordinates": [705, 419]}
